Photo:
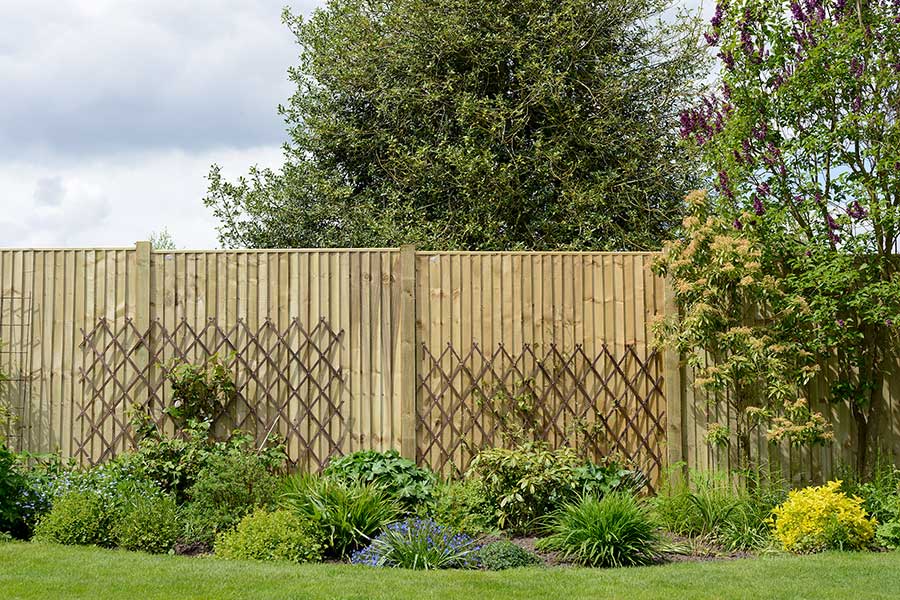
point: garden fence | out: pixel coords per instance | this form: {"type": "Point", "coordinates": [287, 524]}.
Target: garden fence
{"type": "Point", "coordinates": [435, 354]}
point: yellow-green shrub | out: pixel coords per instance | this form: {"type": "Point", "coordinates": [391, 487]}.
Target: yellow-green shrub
{"type": "Point", "coordinates": [821, 518]}
{"type": "Point", "coordinates": [278, 535]}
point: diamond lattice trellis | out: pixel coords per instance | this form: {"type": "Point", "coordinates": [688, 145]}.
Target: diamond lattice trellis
{"type": "Point", "coordinates": [285, 382]}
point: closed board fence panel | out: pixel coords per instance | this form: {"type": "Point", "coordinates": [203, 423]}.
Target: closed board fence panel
{"type": "Point", "coordinates": [555, 344]}
{"type": "Point", "coordinates": [435, 354]}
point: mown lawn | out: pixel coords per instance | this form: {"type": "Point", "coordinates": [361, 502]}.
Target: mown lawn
{"type": "Point", "coordinates": [42, 571]}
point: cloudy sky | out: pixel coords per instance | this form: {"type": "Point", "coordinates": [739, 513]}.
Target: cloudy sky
{"type": "Point", "coordinates": [114, 110]}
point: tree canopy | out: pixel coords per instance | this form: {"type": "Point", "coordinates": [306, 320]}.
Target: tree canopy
{"type": "Point", "coordinates": [803, 139]}
{"type": "Point", "coordinates": [477, 124]}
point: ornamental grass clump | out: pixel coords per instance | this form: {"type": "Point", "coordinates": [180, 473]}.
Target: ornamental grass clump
{"type": "Point", "coordinates": [615, 531]}
{"type": "Point", "coordinates": [822, 518]}
{"type": "Point", "coordinates": [419, 544]}
{"type": "Point", "coordinates": [347, 515]}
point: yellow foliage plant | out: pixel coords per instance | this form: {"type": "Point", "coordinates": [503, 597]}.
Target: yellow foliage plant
{"type": "Point", "coordinates": [821, 518]}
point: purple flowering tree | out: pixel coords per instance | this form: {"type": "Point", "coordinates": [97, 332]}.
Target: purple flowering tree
{"type": "Point", "coordinates": [803, 140]}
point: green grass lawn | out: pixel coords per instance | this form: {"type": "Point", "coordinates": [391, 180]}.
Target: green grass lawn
{"type": "Point", "coordinates": [42, 571]}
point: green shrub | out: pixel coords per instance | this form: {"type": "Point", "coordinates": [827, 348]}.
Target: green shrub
{"type": "Point", "coordinates": [591, 479]}
{"type": "Point", "coordinates": [526, 483]}
{"type": "Point", "coordinates": [822, 518]}
{"type": "Point", "coordinates": [147, 520]}
{"type": "Point", "coordinates": [264, 535]}
{"type": "Point", "coordinates": [12, 486]}
{"type": "Point", "coordinates": [398, 476]}
{"type": "Point", "coordinates": [199, 392]}
{"type": "Point", "coordinates": [419, 544]}
{"type": "Point", "coordinates": [888, 534]}
{"type": "Point", "coordinates": [347, 515]}
{"type": "Point", "coordinates": [880, 493]}
{"type": "Point", "coordinates": [81, 517]}
{"type": "Point", "coordinates": [229, 486]}
{"type": "Point", "coordinates": [718, 509]}
{"type": "Point", "coordinates": [175, 463]}
{"type": "Point", "coordinates": [613, 531]}
{"type": "Point", "coordinates": [501, 555]}
{"type": "Point", "coordinates": [463, 506]}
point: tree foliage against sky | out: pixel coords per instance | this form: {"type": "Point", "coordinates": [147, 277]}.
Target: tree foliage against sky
{"type": "Point", "coordinates": [803, 139]}
{"type": "Point", "coordinates": [477, 124]}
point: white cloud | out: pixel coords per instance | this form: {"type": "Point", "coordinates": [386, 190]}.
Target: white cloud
{"type": "Point", "coordinates": [114, 110]}
{"type": "Point", "coordinates": [117, 201]}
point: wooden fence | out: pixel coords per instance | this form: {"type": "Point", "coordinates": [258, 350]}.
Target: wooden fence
{"type": "Point", "coordinates": [435, 354]}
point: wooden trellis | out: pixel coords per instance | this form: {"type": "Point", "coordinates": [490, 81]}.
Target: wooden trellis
{"type": "Point", "coordinates": [601, 405]}
{"type": "Point", "coordinates": [285, 382]}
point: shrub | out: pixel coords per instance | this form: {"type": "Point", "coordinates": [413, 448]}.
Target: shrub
{"type": "Point", "coordinates": [12, 486]}
{"type": "Point", "coordinates": [147, 521]}
{"type": "Point", "coordinates": [880, 493]}
{"type": "Point", "coordinates": [199, 392]}
{"type": "Point", "coordinates": [228, 487]}
{"type": "Point", "coordinates": [591, 479]}
{"type": "Point", "coordinates": [419, 544]}
{"type": "Point", "coordinates": [462, 506]}
{"type": "Point", "coordinates": [398, 476]}
{"type": "Point", "coordinates": [821, 518]}
{"type": "Point", "coordinates": [718, 509]}
{"type": "Point", "coordinates": [613, 531]}
{"type": "Point", "coordinates": [264, 535]}
{"type": "Point", "coordinates": [888, 534]}
{"type": "Point", "coordinates": [175, 463]}
{"type": "Point", "coordinates": [347, 515]}
{"type": "Point", "coordinates": [80, 517]}
{"type": "Point", "coordinates": [501, 555]}
{"type": "Point", "coordinates": [524, 484]}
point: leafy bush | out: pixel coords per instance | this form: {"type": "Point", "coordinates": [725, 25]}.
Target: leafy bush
{"type": "Point", "coordinates": [79, 517]}
{"type": "Point", "coordinates": [347, 515]}
{"type": "Point", "coordinates": [888, 534]}
{"type": "Point", "coordinates": [199, 392]}
{"type": "Point", "coordinates": [462, 506]}
{"type": "Point", "coordinates": [880, 493]}
{"type": "Point", "coordinates": [501, 555]}
{"type": "Point", "coordinates": [398, 476]}
{"type": "Point", "coordinates": [228, 487]}
{"type": "Point", "coordinates": [264, 535]}
{"type": "Point", "coordinates": [419, 544]}
{"type": "Point", "coordinates": [147, 520]}
{"type": "Point", "coordinates": [717, 509]}
{"type": "Point", "coordinates": [591, 479]}
{"type": "Point", "coordinates": [12, 486]}
{"type": "Point", "coordinates": [821, 518]}
{"type": "Point", "coordinates": [175, 462]}
{"type": "Point", "coordinates": [613, 531]}
{"type": "Point", "coordinates": [524, 484]}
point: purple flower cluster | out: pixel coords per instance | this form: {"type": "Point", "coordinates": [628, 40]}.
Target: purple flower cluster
{"type": "Point", "coordinates": [856, 211]}
{"type": "Point", "coordinates": [419, 544]}
{"type": "Point", "coordinates": [704, 121]}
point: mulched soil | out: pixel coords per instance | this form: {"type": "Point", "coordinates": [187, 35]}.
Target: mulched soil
{"type": "Point", "coordinates": [192, 549]}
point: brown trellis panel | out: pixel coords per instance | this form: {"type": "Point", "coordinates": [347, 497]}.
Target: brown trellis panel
{"type": "Point", "coordinates": [285, 380]}
{"type": "Point", "coordinates": [602, 405]}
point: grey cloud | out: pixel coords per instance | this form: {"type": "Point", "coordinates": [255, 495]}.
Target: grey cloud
{"type": "Point", "coordinates": [90, 78]}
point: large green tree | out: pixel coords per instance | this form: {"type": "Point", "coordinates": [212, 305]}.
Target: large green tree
{"type": "Point", "coordinates": [477, 124]}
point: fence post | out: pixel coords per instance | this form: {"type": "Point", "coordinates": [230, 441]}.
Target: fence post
{"type": "Point", "coordinates": [142, 305]}
{"type": "Point", "coordinates": [406, 357]}
{"type": "Point", "coordinates": [674, 397]}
